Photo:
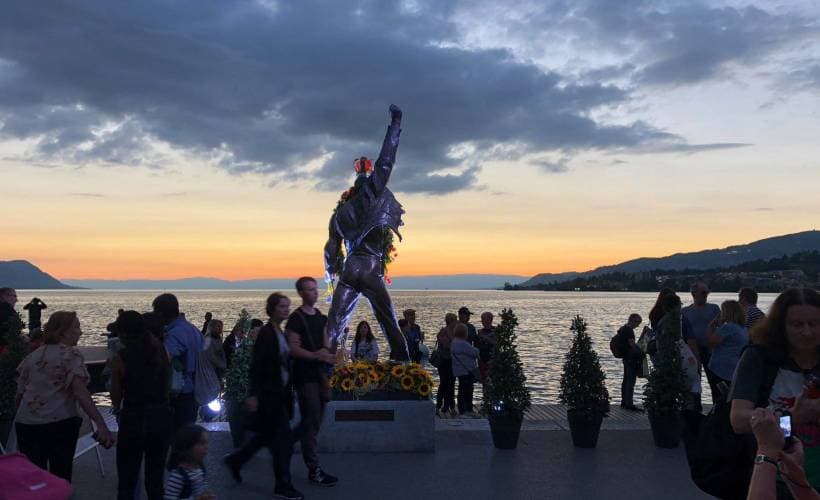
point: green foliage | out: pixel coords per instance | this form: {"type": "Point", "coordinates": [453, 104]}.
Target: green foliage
{"type": "Point", "coordinates": [506, 390]}
{"type": "Point", "coordinates": [236, 381]}
{"type": "Point", "coordinates": [583, 387]}
{"type": "Point", "coordinates": [245, 321]}
{"type": "Point", "coordinates": [13, 349]}
{"type": "Point", "coordinates": [667, 383]}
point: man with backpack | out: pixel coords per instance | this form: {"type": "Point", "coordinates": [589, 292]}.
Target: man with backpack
{"type": "Point", "coordinates": [623, 346]}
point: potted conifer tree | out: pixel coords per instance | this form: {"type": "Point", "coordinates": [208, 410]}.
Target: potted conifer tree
{"type": "Point", "coordinates": [506, 396]}
{"type": "Point", "coordinates": [583, 388]}
{"type": "Point", "coordinates": [666, 386]}
{"type": "Point", "coordinates": [236, 381]}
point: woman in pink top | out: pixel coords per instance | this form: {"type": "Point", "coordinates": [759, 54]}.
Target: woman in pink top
{"type": "Point", "coordinates": [52, 380]}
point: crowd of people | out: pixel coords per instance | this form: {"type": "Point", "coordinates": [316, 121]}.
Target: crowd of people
{"type": "Point", "coordinates": [275, 372]}
{"type": "Point", "coordinates": [164, 371]}
{"type": "Point", "coordinates": [462, 353]}
{"type": "Point", "coordinates": [765, 367]}
{"type": "Point", "coordinates": [712, 338]}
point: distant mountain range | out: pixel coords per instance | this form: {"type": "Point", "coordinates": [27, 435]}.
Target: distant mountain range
{"type": "Point", "coordinates": [438, 282]}
{"type": "Point", "coordinates": [23, 274]}
{"type": "Point", "coordinates": [765, 249]}
{"type": "Point", "coordinates": [772, 275]}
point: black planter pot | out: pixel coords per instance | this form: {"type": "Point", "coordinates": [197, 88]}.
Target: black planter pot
{"type": "Point", "coordinates": [584, 428]}
{"type": "Point", "coordinates": [666, 430]}
{"type": "Point", "coordinates": [505, 429]}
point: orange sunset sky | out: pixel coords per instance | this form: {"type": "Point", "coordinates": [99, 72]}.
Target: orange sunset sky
{"type": "Point", "coordinates": [178, 140]}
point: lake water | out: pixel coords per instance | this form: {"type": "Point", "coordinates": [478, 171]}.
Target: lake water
{"type": "Point", "coordinates": [543, 334]}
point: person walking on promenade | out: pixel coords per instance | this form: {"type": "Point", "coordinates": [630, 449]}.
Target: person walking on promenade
{"type": "Point", "coordinates": [52, 381]}
{"type": "Point", "coordinates": [34, 308]}
{"type": "Point", "coordinates": [781, 369]}
{"type": "Point", "coordinates": [139, 394]}
{"type": "Point", "coordinates": [700, 315]}
{"type": "Point", "coordinates": [748, 300]}
{"type": "Point", "coordinates": [632, 361]}
{"type": "Point", "coordinates": [727, 337]}
{"type": "Point", "coordinates": [270, 401]}
{"type": "Point", "coordinates": [186, 466]}
{"type": "Point", "coordinates": [487, 340]}
{"type": "Point", "coordinates": [465, 362]}
{"type": "Point", "coordinates": [183, 342]}
{"type": "Point", "coordinates": [309, 347]}
{"type": "Point", "coordinates": [232, 343]}
{"type": "Point", "coordinates": [414, 336]}
{"type": "Point", "coordinates": [445, 396]}
{"type": "Point", "coordinates": [364, 344]}
{"type": "Point", "coordinates": [464, 317]}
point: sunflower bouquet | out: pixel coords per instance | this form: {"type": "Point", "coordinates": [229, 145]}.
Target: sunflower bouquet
{"type": "Point", "coordinates": [363, 377]}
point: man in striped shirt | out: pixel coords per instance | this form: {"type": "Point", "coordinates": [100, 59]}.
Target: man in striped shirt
{"type": "Point", "coordinates": [748, 300]}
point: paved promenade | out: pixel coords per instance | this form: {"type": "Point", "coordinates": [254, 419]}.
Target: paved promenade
{"type": "Point", "coordinates": [465, 466]}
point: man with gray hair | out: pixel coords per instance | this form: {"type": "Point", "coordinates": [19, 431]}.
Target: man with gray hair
{"type": "Point", "coordinates": [700, 314]}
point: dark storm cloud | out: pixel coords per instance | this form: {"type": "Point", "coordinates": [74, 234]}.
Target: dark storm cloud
{"type": "Point", "coordinates": [675, 42]}
{"type": "Point", "coordinates": [266, 88]}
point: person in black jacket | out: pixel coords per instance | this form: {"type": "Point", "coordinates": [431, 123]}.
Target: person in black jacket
{"type": "Point", "coordinates": [270, 401]}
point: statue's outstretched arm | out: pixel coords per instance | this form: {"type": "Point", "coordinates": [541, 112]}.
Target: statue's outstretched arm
{"type": "Point", "coordinates": [333, 249]}
{"type": "Point", "coordinates": [384, 165]}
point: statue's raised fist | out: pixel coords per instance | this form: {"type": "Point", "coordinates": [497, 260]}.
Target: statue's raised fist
{"type": "Point", "coordinates": [395, 112]}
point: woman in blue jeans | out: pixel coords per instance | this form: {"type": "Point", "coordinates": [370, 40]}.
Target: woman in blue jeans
{"type": "Point", "coordinates": [139, 391]}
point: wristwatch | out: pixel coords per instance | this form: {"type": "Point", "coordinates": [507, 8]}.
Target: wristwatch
{"type": "Point", "coordinates": [760, 459]}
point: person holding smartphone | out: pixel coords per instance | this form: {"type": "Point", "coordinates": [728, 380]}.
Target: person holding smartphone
{"type": "Point", "coordinates": [778, 453]}
{"type": "Point", "coordinates": [777, 372]}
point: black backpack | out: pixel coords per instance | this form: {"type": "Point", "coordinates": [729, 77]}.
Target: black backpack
{"type": "Point", "coordinates": [720, 461]}
{"type": "Point", "coordinates": [618, 345]}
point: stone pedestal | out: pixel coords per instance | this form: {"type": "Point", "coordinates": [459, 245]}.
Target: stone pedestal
{"type": "Point", "coordinates": [378, 427]}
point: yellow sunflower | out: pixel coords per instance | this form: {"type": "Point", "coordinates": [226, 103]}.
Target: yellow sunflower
{"type": "Point", "coordinates": [362, 377]}
{"type": "Point", "coordinates": [424, 389]}
{"type": "Point", "coordinates": [347, 385]}
{"type": "Point", "coordinates": [407, 382]}
{"type": "Point", "coordinates": [398, 371]}
{"type": "Point", "coordinates": [334, 380]}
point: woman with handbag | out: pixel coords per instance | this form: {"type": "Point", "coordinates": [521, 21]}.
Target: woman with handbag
{"type": "Point", "coordinates": [445, 397]}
